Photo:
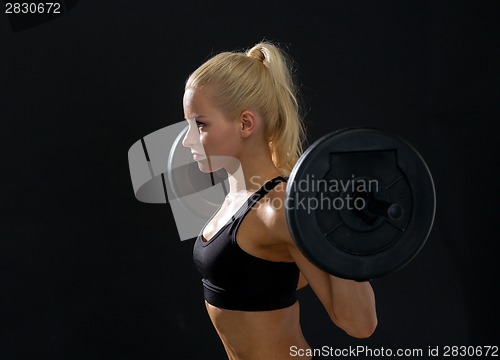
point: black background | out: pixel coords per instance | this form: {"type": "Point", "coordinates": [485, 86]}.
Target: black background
{"type": "Point", "coordinates": [88, 272]}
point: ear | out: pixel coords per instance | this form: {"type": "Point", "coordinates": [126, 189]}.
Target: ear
{"type": "Point", "coordinates": [247, 123]}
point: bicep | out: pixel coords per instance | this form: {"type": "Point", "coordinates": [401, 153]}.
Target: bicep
{"type": "Point", "coordinates": [317, 278]}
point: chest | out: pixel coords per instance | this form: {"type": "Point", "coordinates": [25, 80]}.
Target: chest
{"type": "Point", "coordinates": [224, 215]}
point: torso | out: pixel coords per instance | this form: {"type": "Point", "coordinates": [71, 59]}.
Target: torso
{"type": "Point", "coordinates": [259, 335]}
{"type": "Point", "coordinates": [255, 335]}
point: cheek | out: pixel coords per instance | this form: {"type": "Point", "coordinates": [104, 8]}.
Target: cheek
{"type": "Point", "coordinates": [205, 141]}
{"type": "Point", "coordinates": [219, 143]}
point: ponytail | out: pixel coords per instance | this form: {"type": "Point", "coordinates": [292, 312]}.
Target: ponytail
{"type": "Point", "coordinates": [261, 79]}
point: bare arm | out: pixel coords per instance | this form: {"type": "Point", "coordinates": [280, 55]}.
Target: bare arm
{"type": "Point", "coordinates": [353, 306]}
{"type": "Point", "coordinates": [350, 304]}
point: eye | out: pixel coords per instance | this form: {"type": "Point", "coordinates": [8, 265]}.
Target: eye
{"type": "Point", "coordinates": [199, 124]}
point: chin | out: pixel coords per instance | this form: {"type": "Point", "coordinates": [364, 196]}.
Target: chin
{"type": "Point", "coordinates": [204, 167]}
{"type": "Point", "coordinates": [217, 163]}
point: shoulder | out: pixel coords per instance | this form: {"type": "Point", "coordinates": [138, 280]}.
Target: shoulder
{"type": "Point", "coordinates": [272, 211]}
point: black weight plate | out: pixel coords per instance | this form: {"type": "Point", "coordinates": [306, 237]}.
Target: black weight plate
{"type": "Point", "coordinates": [347, 244]}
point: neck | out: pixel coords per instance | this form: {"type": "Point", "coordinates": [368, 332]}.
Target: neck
{"type": "Point", "coordinates": [252, 168]}
{"type": "Point", "coordinates": [249, 177]}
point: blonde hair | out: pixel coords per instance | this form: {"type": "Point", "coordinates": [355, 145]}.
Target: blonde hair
{"type": "Point", "coordinates": [259, 79]}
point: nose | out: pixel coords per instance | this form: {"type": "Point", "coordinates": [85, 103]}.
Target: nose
{"type": "Point", "coordinates": [191, 137]}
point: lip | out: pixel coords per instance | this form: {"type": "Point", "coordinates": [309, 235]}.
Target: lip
{"type": "Point", "coordinates": [197, 156]}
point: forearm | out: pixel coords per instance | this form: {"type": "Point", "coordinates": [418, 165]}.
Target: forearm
{"type": "Point", "coordinates": [353, 306]}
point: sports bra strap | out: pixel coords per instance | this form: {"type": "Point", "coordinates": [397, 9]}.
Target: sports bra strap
{"type": "Point", "coordinates": [256, 196]}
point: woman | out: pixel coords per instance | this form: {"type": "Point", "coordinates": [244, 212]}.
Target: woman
{"type": "Point", "coordinates": [243, 117]}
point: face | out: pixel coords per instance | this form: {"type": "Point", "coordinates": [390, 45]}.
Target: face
{"type": "Point", "coordinates": [211, 136]}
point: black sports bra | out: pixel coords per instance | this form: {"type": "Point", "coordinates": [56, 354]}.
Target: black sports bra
{"type": "Point", "coordinates": [233, 279]}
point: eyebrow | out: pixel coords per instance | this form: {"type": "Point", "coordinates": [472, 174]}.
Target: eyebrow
{"type": "Point", "coordinates": [196, 117]}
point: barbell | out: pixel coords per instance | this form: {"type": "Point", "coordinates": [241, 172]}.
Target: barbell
{"type": "Point", "coordinates": [359, 203]}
